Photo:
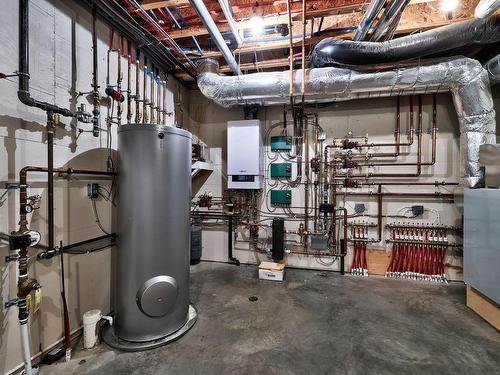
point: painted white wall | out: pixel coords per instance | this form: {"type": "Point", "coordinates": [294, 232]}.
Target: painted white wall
{"type": "Point", "coordinates": [374, 117]}
{"type": "Point", "coordinates": [60, 64]}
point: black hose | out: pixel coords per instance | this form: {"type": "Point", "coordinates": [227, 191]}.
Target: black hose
{"type": "Point", "coordinates": [331, 51]}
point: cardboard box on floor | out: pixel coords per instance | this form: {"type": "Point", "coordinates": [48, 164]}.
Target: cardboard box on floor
{"type": "Point", "coordinates": [271, 271]}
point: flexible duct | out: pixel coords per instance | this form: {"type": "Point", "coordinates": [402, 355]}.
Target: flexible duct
{"type": "Point", "coordinates": [492, 66]}
{"type": "Point", "coordinates": [464, 77]}
{"type": "Point", "coordinates": [347, 52]}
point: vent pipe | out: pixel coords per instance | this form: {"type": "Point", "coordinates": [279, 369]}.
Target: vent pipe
{"type": "Point", "coordinates": [492, 66]}
{"type": "Point", "coordinates": [331, 51]}
{"type": "Point", "coordinates": [486, 8]}
{"type": "Point", "coordinates": [465, 78]}
{"type": "Point", "coordinates": [215, 34]}
{"type": "Point", "coordinates": [368, 18]}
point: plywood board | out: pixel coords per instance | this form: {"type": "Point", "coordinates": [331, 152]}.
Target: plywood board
{"type": "Point", "coordinates": [484, 307]}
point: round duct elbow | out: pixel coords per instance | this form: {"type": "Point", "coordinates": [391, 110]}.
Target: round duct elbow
{"type": "Point", "coordinates": [207, 66]}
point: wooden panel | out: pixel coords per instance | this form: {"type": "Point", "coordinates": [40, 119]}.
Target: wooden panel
{"type": "Point", "coordinates": [378, 261]}
{"type": "Point", "coordinates": [484, 307]}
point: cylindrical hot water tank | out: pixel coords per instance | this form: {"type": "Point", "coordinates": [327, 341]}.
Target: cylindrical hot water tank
{"type": "Point", "coordinates": [153, 252]}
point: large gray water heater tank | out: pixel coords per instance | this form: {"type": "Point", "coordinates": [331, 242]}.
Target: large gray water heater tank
{"type": "Point", "coordinates": [153, 252]}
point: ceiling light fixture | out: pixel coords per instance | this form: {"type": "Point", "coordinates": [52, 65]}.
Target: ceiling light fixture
{"type": "Point", "coordinates": [257, 25]}
{"type": "Point", "coordinates": [449, 5]}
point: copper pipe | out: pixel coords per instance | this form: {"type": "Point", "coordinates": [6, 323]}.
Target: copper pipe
{"type": "Point", "coordinates": [158, 99]}
{"type": "Point", "coordinates": [306, 186]}
{"type": "Point", "coordinates": [401, 195]}
{"type": "Point", "coordinates": [379, 212]}
{"type": "Point", "coordinates": [290, 35]}
{"type": "Point", "coordinates": [145, 118]}
{"type": "Point", "coordinates": [152, 98]}
{"type": "Point", "coordinates": [303, 83]}
{"type": "Point", "coordinates": [419, 155]}
{"type": "Point", "coordinates": [119, 80]}
{"type": "Point", "coordinates": [420, 133]}
{"type": "Point", "coordinates": [137, 96]}
{"type": "Point", "coordinates": [129, 83]}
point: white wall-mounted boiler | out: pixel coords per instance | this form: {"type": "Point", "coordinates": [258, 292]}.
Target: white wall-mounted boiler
{"type": "Point", "coordinates": [244, 154]}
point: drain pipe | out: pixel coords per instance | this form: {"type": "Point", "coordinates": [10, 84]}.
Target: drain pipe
{"type": "Point", "coordinates": [215, 34]}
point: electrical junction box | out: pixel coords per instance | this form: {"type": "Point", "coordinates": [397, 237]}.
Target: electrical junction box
{"type": "Point", "coordinates": [244, 154]}
{"type": "Point", "coordinates": [281, 197]}
{"type": "Point", "coordinates": [281, 170]}
{"type": "Point", "coordinates": [281, 143]}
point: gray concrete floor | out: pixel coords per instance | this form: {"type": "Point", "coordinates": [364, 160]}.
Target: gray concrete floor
{"type": "Point", "coordinates": [313, 323]}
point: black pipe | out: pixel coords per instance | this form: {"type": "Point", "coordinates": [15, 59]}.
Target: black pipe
{"type": "Point", "coordinates": [50, 179]}
{"type": "Point", "coordinates": [23, 92]}
{"type": "Point", "coordinates": [232, 259]}
{"type": "Point", "coordinates": [95, 80]}
{"type": "Point", "coordinates": [332, 51]}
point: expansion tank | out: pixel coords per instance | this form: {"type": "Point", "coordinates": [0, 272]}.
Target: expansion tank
{"type": "Point", "coordinates": [153, 254]}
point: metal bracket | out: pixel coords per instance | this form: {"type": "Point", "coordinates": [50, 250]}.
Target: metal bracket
{"type": "Point", "coordinates": [11, 258]}
{"type": "Point", "coordinates": [15, 185]}
{"type": "Point", "coordinates": [11, 302]}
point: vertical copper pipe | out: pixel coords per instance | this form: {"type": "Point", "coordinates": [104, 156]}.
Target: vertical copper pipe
{"type": "Point", "coordinates": [137, 96]}
{"type": "Point", "coordinates": [303, 82]}
{"type": "Point", "coordinates": [119, 80]}
{"type": "Point", "coordinates": [145, 117]}
{"type": "Point", "coordinates": [290, 35]}
{"type": "Point", "coordinates": [152, 98]}
{"type": "Point", "coordinates": [129, 83]}
{"type": "Point", "coordinates": [158, 99]}
{"type": "Point", "coordinates": [379, 212]}
{"type": "Point", "coordinates": [307, 181]}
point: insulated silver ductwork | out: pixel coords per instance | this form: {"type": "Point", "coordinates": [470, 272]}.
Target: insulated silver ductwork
{"type": "Point", "coordinates": [332, 51]}
{"type": "Point", "coordinates": [465, 78]}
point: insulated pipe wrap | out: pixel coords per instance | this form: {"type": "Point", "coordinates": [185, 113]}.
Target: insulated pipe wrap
{"type": "Point", "coordinates": [332, 51]}
{"type": "Point", "coordinates": [465, 78]}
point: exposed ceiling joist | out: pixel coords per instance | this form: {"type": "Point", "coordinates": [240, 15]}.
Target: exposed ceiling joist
{"type": "Point", "coordinates": [404, 29]}
{"type": "Point", "coordinates": [155, 4]}
{"type": "Point", "coordinates": [278, 18]}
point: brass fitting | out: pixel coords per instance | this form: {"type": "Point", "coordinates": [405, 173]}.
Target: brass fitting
{"type": "Point", "coordinates": [26, 286]}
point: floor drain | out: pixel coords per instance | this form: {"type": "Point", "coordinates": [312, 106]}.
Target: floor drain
{"type": "Point", "coordinates": [253, 298]}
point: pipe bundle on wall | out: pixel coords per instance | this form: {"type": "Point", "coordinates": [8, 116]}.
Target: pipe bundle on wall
{"type": "Point", "coordinates": [465, 78]}
{"type": "Point", "coordinates": [332, 51]}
